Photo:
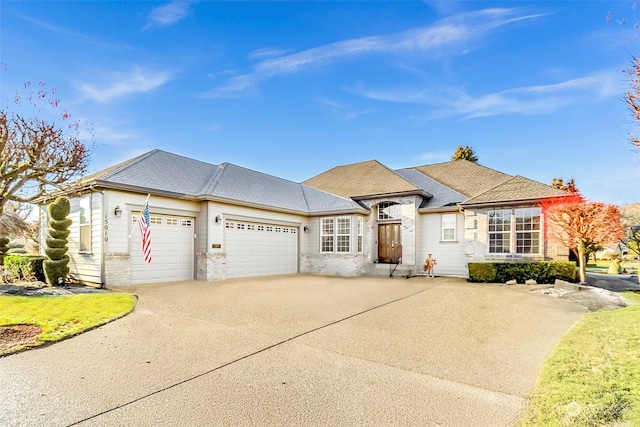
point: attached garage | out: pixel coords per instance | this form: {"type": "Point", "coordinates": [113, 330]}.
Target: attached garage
{"type": "Point", "coordinates": [172, 250]}
{"type": "Point", "coordinates": [260, 248]}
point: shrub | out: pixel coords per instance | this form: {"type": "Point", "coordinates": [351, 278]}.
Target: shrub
{"type": "Point", "coordinates": [540, 271]}
{"type": "Point", "coordinates": [23, 266]}
{"type": "Point", "coordinates": [57, 264]}
{"type": "Point", "coordinates": [482, 272]}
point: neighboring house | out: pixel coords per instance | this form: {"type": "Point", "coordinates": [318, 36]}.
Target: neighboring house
{"type": "Point", "coordinates": [222, 221]}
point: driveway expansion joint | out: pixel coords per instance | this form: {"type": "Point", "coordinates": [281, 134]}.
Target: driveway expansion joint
{"type": "Point", "coordinates": [247, 356]}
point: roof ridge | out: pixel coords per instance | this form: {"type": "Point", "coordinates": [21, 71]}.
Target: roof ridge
{"type": "Point", "coordinates": [213, 182]}
{"type": "Point", "coordinates": [398, 175]}
{"type": "Point", "coordinates": [128, 163]}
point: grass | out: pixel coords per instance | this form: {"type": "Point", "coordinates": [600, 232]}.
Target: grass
{"type": "Point", "coordinates": [63, 316]}
{"type": "Point", "coordinates": [592, 376]}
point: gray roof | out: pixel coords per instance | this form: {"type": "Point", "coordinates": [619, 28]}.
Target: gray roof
{"type": "Point", "coordinates": [167, 173]}
{"type": "Point", "coordinates": [441, 194]}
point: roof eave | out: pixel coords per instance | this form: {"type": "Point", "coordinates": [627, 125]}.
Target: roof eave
{"type": "Point", "coordinates": [530, 200]}
{"type": "Point", "coordinates": [271, 208]}
{"type": "Point", "coordinates": [393, 194]}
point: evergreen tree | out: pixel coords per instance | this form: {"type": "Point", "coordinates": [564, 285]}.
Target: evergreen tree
{"type": "Point", "coordinates": [57, 264]}
{"type": "Point", "coordinates": [465, 153]}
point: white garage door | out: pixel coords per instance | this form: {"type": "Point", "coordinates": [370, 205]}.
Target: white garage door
{"type": "Point", "coordinates": [260, 249]}
{"type": "Point", "coordinates": [171, 250]}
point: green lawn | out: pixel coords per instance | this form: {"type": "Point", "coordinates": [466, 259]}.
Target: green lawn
{"type": "Point", "coordinates": [62, 316]}
{"type": "Point", "coordinates": [592, 376]}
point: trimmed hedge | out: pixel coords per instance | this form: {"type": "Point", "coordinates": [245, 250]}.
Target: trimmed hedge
{"type": "Point", "coordinates": [22, 265]}
{"type": "Point", "coordinates": [540, 271]}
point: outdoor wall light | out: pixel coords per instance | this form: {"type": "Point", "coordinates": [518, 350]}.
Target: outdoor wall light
{"type": "Point", "coordinates": [117, 212]}
{"type": "Point", "coordinates": [305, 228]}
{"type": "Point", "coordinates": [218, 219]}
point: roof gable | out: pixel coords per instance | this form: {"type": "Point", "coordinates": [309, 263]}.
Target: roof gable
{"type": "Point", "coordinates": [441, 195]}
{"type": "Point", "coordinates": [361, 179]}
{"type": "Point", "coordinates": [465, 177]}
{"type": "Point", "coordinates": [515, 189]}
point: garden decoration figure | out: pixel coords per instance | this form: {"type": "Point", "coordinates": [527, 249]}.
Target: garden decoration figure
{"type": "Point", "coordinates": [429, 264]}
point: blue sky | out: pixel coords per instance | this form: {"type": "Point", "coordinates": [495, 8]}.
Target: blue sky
{"type": "Point", "coordinates": [295, 88]}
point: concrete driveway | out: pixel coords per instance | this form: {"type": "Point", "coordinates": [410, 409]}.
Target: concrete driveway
{"type": "Point", "coordinates": [295, 350]}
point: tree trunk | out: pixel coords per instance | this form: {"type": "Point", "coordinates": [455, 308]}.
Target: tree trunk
{"type": "Point", "coordinates": [582, 259]}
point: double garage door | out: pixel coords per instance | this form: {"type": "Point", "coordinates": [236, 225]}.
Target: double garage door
{"type": "Point", "coordinates": [260, 249]}
{"type": "Point", "coordinates": [172, 240]}
{"type": "Point", "coordinates": [252, 249]}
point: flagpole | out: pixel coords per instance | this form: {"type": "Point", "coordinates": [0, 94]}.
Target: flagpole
{"type": "Point", "coordinates": [143, 205]}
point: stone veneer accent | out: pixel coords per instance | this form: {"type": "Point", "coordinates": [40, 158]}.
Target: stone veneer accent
{"type": "Point", "coordinates": [210, 265]}
{"type": "Point", "coordinates": [117, 269]}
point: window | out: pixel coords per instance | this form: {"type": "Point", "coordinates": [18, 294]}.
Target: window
{"type": "Point", "coordinates": [344, 234]}
{"type": "Point", "coordinates": [186, 223]}
{"type": "Point", "coordinates": [528, 231]}
{"type": "Point", "coordinates": [360, 233]}
{"type": "Point", "coordinates": [85, 223]}
{"type": "Point", "coordinates": [524, 238]}
{"type": "Point", "coordinates": [172, 221]}
{"type": "Point", "coordinates": [326, 235]}
{"type": "Point", "coordinates": [389, 211]}
{"type": "Point", "coordinates": [335, 234]}
{"type": "Point", "coordinates": [155, 220]}
{"type": "Point", "coordinates": [449, 227]}
{"type": "Point", "coordinates": [499, 232]}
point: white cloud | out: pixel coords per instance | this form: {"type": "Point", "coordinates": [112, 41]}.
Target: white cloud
{"type": "Point", "coordinates": [267, 52]}
{"type": "Point", "coordinates": [530, 100]}
{"type": "Point", "coordinates": [450, 36]}
{"type": "Point", "coordinates": [168, 14]}
{"type": "Point", "coordinates": [125, 83]}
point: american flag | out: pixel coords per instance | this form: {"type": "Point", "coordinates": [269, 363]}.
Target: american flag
{"type": "Point", "coordinates": [145, 231]}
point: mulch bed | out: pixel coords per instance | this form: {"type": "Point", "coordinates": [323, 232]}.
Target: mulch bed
{"type": "Point", "coordinates": [17, 335]}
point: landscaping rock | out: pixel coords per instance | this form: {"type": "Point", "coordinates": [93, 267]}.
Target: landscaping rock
{"type": "Point", "coordinates": [512, 282]}
{"type": "Point", "coordinates": [531, 282]}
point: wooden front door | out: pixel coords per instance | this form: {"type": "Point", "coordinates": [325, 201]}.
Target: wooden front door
{"type": "Point", "coordinates": [389, 247]}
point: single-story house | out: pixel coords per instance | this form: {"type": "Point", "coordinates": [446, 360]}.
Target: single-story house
{"type": "Point", "coordinates": [222, 221]}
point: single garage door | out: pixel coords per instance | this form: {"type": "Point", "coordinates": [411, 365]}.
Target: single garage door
{"type": "Point", "coordinates": [260, 249]}
{"type": "Point", "coordinates": [172, 239]}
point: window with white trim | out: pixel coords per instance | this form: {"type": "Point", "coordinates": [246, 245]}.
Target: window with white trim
{"type": "Point", "coordinates": [343, 234]}
{"type": "Point", "coordinates": [523, 238]}
{"type": "Point", "coordinates": [360, 233]}
{"type": "Point", "coordinates": [527, 231]}
{"type": "Point", "coordinates": [326, 234]}
{"type": "Point", "coordinates": [84, 221]}
{"type": "Point", "coordinates": [448, 227]}
{"type": "Point", "coordinates": [335, 234]}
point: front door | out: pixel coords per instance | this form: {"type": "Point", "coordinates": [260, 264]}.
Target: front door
{"type": "Point", "coordinates": [389, 247]}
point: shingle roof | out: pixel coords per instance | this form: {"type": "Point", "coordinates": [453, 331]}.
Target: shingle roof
{"type": "Point", "coordinates": [441, 194]}
{"type": "Point", "coordinates": [160, 170]}
{"type": "Point", "coordinates": [514, 189]}
{"type": "Point", "coordinates": [242, 184]}
{"type": "Point", "coordinates": [361, 179]}
{"type": "Point", "coordinates": [170, 173]}
{"type": "Point", "coordinates": [465, 177]}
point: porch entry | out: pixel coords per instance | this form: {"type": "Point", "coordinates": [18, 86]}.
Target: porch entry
{"type": "Point", "coordinates": [389, 243]}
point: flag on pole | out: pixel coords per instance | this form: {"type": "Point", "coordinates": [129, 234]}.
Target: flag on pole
{"type": "Point", "coordinates": [145, 231]}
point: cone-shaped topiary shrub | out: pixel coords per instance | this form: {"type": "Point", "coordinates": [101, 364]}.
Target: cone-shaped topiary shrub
{"type": "Point", "coordinates": [57, 263]}
{"type": "Point", "coordinates": [4, 248]}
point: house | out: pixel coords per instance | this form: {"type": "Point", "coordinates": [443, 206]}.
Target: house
{"type": "Point", "coordinates": [222, 221]}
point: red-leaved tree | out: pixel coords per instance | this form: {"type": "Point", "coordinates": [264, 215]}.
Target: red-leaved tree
{"type": "Point", "coordinates": [579, 225]}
